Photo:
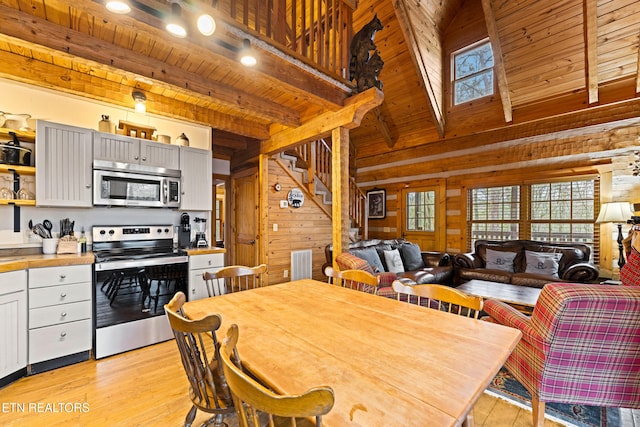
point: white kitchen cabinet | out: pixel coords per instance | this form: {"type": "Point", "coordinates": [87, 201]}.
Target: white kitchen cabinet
{"type": "Point", "coordinates": [120, 148]}
{"type": "Point", "coordinates": [198, 264]}
{"type": "Point", "coordinates": [64, 176]}
{"type": "Point", "coordinates": [196, 167]}
{"type": "Point", "coordinates": [13, 318]}
{"type": "Point", "coordinates": [60, 313]}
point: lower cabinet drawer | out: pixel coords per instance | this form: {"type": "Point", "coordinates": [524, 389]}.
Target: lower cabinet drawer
{"type": "Point", "coordinates": [53, 295]}
{"type": "Point", "coordinates": [59, 340]}
{"type": "Point", "coordinates": [63, 313]}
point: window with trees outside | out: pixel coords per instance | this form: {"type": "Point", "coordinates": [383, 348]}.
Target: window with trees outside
{"type": "Point", "coordinates": [548, 212]}
{"type": "Point", "coordinates": [472, 72]}
{"type": "Point", "coordinates": [421, 211]}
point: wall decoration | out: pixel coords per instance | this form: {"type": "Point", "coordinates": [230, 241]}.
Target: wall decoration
{"type": "Point", "coordinates": [376, 203]}
{"type": "Point", "coordinates": [295, 198]}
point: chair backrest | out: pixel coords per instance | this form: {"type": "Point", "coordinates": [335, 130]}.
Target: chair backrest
{"type": "Point", "coordinates": [593, 332]}
{"type": "Point", "coordinates": [250, 396]}
{"type": "Point", "coordinates": [199, 350]}
{"type": "Point", "coordinates": [439, 297]}
{"type": "Point", "coordinates": [354, 279]}
{"type": "Point", "coordinates": [234, 278]}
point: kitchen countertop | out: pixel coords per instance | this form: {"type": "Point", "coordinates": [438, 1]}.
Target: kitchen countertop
{"type": "Point", "coordinates": [23, 262]}
{"type": "Point", "coordinates": [205, 251]}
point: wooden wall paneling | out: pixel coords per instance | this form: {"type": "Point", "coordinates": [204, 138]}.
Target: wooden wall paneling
{"type": "Point", "coordinates": [304, 228]}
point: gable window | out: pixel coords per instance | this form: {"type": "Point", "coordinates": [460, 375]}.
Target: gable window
{"type": "Point", "coordinates": [559, 211]}
{"type": "Point", "coordinates": [472, 72]}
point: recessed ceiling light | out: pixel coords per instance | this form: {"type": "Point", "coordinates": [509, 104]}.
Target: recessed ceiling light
{"type": "Point", "coordinates": [206, 24]}
{"type": "Point", "coordinates": [118, 6]}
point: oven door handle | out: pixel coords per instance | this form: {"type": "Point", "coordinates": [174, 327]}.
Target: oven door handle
{"type": "Point", "coordinates": [135, 263]}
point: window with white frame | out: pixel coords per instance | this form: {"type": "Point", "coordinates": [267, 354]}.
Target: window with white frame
{"type": "Point", "coordinates": [472, 72]}
{"type": "Point", "coordinates": [562, 211]}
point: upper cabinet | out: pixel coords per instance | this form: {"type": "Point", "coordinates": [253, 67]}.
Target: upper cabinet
{"type": "Point", "coordinates": [120, 148]}
{"type": "Point", "coordinates": [63, 163]}
{"type": "Point", "coordinates": [196, 168]}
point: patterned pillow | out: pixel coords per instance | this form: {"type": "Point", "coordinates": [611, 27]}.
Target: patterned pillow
{"type": "Point", "coordinates": [630, 272]}
{"type": "Point", "coordinates": [546, 263]}
{"type": "Point", "coordinates": [499, 260]}
{"type": "Point", "coordinates": [347, 261]}
{"type": "Point", "coordinates": [394, 261]}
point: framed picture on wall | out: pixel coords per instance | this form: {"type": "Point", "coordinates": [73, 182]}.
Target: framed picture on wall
{"type": "Point", "coordinates": [376, 204]}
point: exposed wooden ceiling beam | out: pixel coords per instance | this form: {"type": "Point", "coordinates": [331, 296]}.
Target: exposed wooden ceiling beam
{"type": "Point", "coordinates": [416, 55]}
{"type": "Point", "coordinates": [638, 70]}
{"type": "Point", "coordinates": [35, 30]}
{"type": "Point", "coordinates": [498, 60]}
{"type": "Point", "coordinates": [321, 126]}
{"type": "Point", "coordinates": [590, 13]}
{"type": "Point", "coordinates": [381, 124]}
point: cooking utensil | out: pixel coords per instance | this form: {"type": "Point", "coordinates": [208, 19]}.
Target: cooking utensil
{"type": "Point", "coordinates": [13, 154]}
{"type": "Point", "coordinates": [30, 225]}
{"type": "Point", "coordinates": [48, 226]}
{"type": "Point", "coordinates": [41, 231]}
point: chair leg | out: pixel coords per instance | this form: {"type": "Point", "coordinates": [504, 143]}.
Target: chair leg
{"type": "Point", "coordinates": [190, 416]}
{"type": "Point", "coordinates": [468, 422]}
{"type": "Point", "coordinates": [538, 412]}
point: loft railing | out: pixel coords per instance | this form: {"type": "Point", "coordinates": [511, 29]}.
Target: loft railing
{"type": "Point", "coordinates": [318, 30]}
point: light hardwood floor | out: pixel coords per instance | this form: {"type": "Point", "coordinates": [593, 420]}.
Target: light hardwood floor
{"type": "Point", "coordinates": [147, 387]}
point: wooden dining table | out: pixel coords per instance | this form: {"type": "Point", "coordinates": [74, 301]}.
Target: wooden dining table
{"type": "Point", "coordinates": [389, 363]}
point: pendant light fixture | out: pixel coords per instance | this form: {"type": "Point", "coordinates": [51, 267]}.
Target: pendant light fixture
{"type": "Point", "coordinates": [175, 23]}
{"type": "Point", "coordinates": [247, 57]}
{"type": "Point", "coordinates": [140, 100]}
{"type": "Point", "coordinates": [206, 24]}
{"type": "Point", "coordinates": [118, 6]}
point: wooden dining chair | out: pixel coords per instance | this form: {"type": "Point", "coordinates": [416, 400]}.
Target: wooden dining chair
{"type": "Point", "coordinates": [199, 350]}
{"type": "Point", "coordinates": [354, 279]}
{"type": "Point", "coordinates": [253, 401]}
{"type": "Point", "coordinates": [234, 278]}
{"type": "Point", "coordinates": [440, 297]}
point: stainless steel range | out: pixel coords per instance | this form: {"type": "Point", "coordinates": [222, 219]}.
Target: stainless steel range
{"type": "Point", "coordinates": [137, 271]}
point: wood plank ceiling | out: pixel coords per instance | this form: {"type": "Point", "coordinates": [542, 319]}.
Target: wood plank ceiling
{"type": "Point", "coordinates": [560, 65]}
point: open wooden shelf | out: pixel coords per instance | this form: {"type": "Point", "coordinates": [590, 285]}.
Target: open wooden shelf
{"type": "Point", "coordinates": [20, 170]}
{"type": "Point", "coordinates": [17, 202]}
{"type": "Point", "coordinates": [23, 136]}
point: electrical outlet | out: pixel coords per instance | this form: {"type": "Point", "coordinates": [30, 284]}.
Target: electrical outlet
{"type": "Point", "coordinates": [275, 227]}
{"type": "Point", "coordinates": [286, 274]}
{"type": "Point", "coordinates": [284, 204]}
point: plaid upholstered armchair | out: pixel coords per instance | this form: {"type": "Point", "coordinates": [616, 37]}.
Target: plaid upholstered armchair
{"type": "Point", "coordinates": [581, 345]}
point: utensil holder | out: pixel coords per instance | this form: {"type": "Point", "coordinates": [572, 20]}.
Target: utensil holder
{"type": "Point", "coordinates": [49, 246]}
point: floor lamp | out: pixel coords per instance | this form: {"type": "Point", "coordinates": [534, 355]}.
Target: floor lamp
{"type": "Point", "coordinates": [618, 212]}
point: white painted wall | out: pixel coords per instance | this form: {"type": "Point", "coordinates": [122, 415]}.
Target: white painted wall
{"type": "Point", "coordinates": [45, 104]}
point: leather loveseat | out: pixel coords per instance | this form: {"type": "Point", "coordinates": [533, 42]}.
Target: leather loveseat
{"type": "Point", "coordinates": [409, 261]}
{"type": "Point", "coordinates": [526, 263]}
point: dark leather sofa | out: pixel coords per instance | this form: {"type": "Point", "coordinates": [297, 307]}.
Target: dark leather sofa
{"type": "Point", "coordinates": [571, 260]}
{"type": "Point", "coordinates": [419, 266]}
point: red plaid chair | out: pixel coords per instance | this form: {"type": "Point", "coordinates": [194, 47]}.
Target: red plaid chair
{"type": "Point", "coordinates": [581, 345]}
{"type": "Point", "coordinates": [347, 261]}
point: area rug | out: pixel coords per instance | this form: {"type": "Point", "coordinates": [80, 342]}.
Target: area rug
{"type": "Point", "coordinates": [504, 385]}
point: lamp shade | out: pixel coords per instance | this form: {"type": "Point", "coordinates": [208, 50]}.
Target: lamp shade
{"type": "Point", "coordinates": [615, 212]}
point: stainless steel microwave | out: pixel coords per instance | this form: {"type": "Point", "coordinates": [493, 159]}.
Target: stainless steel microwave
{"type": "Point", "coordinates": [124, 184]}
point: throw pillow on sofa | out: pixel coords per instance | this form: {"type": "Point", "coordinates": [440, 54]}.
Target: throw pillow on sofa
{"type": "Point", "coordinates": [411, 256]}
{"type": "Point", "coordinates": [499, 260]}
{"type": "Point", "coordinates": [546, 263]}
{"type": "Point", "coordinates": [371, 256]}
{"type": "Point", "coordinates": [394, 261]}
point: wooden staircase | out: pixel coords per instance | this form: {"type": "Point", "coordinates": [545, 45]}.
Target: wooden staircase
{"type": "Point", "coordinates": [310, 166]}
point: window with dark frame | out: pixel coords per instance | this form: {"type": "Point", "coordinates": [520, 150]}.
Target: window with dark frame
{"type": "Point", "coordinates": [555, 212]}
{"type": "Point", "coordinates": [472, 71]}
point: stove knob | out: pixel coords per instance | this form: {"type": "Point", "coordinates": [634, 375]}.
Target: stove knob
{"type": "Point", "coordinates": [102, 232]}
{"type": "Point", "coordinates": [166, 230]}
{"type": "Point", "coordinates": [159, 230]}
{"type": "Point", "coordinates": [111, 232]}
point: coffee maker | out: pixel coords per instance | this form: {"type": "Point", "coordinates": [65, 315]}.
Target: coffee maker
{"type": "Point", "coordinates": [201, 234]}
{"type": "Point", "coordinates": [184, 231]}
